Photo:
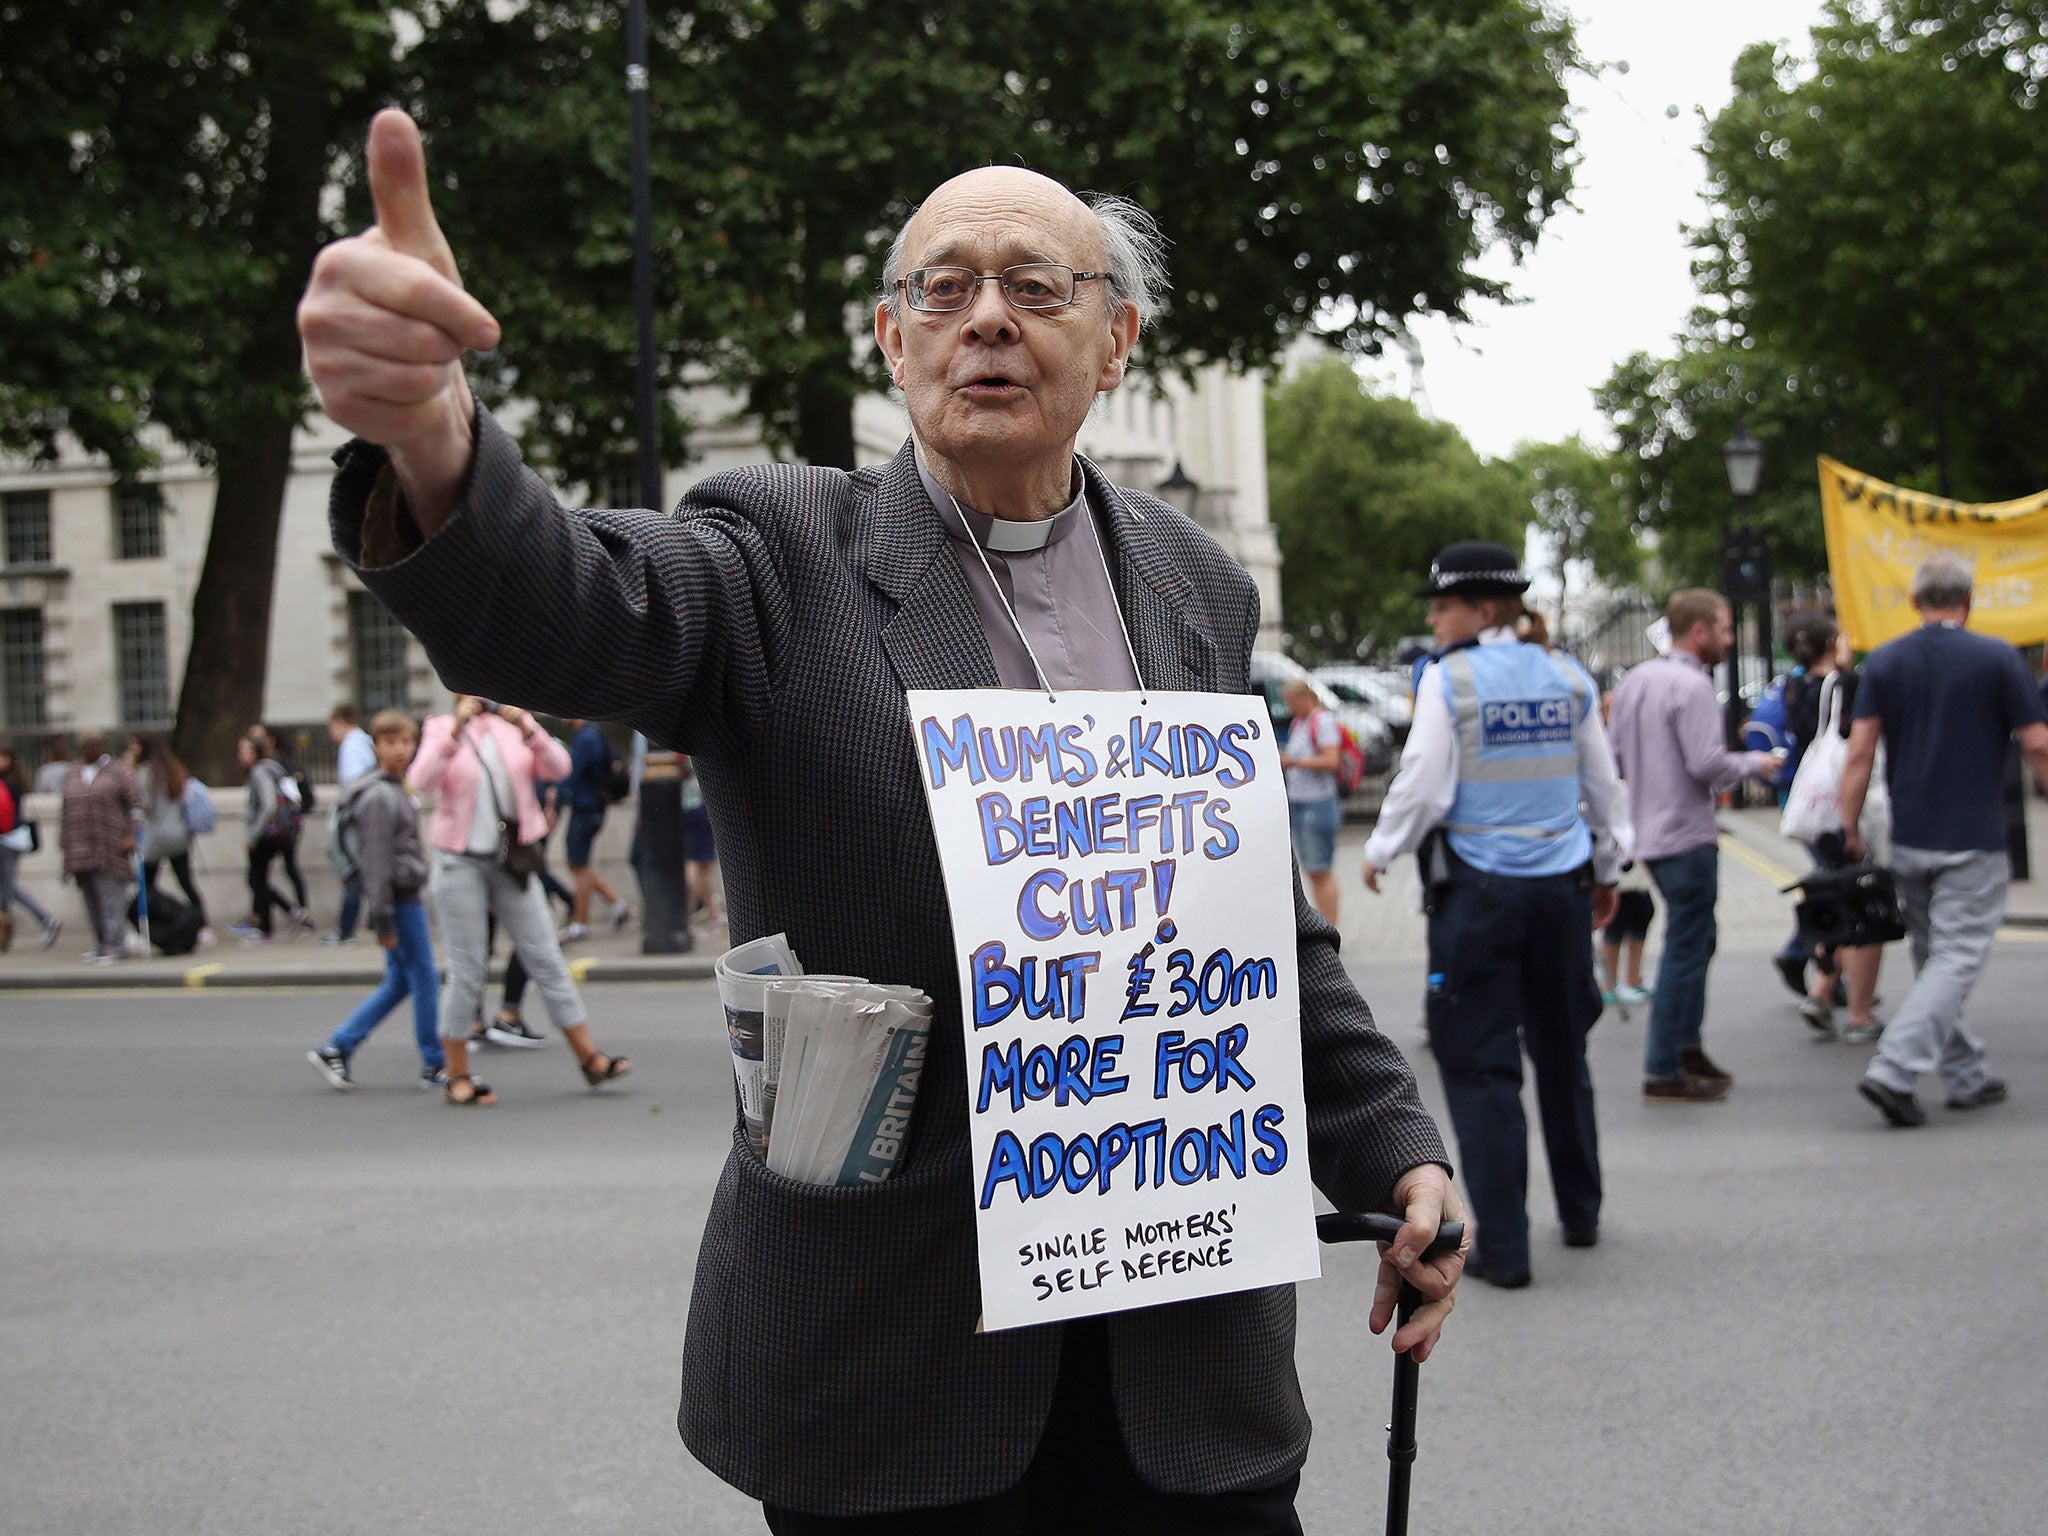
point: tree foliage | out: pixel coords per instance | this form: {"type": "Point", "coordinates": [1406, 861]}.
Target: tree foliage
{"type": "Point", "coordinates": [1870, 276]}
{"type": "Point", "coordinates": [1577, 495]}
{"type": "Point", "coordinates": [1364, 491]}
{"type": "Point", "coordinates": [1327, 167]}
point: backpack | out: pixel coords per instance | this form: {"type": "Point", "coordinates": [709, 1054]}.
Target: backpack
{"type": "Point", "coordinates": [200, 816]}
{"type": "Point", "coordinates": [1350, 760]}
{"type": "Point", "coordinates": [286, 815]}
{"type": "Point", "coordinates": [301, 786]}
{"type": "Point", "coordinates": [618, 781]}
{"type": "Point", "coordinates": [1767, 730]}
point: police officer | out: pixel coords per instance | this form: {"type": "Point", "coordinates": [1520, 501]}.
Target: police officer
{"type": "Point", "coordinates": [1508, 788]}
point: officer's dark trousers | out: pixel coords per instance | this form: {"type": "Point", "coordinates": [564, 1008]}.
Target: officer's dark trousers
{"type": "Point", "coordinates": [1515, 958]}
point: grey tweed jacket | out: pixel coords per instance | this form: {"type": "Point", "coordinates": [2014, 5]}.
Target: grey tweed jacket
{"type": "Point", "coordinates": [769, 627]}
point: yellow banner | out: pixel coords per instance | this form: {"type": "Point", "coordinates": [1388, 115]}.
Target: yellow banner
{"type": "Point", "coordinates": [1878, 533]}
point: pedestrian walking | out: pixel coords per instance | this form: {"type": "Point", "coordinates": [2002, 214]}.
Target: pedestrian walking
{"type": "Point", "coordinates": [16, 840]}
{"type": "Point", "coordinates": [167, 835]}
{"type": "Point", "coordinates": [297, 785]}
{"type": "Point", "coordinates": [1315, 809]}
{"type": "Point", "coordinates": [56, 766]}
{"type": "Point", "coordinates": [481, 762]}
{"type": "Point", "coordinates": [585, 791]}
{"type": "Point", "coordinates": [102, 810]}
{"type": "Point", "coordinates": [1508, 789]}
{"type": "Point", "coordinates": [389, 876]}
{"type": "Point", "coordinates": [700, 855]}
{"type": "Point", "coordinates": [771, 626]}
{"type": "Point", "coordinates": [271, 822]}
{"type": "Point", "coordinates": [1810, 639]}
{"type": "Point", "coordinates": [1669, 745]}
{"type": "Point", "coordinates": [354, 755]}
{"type": "Point", "coordinates": [1945, 703]}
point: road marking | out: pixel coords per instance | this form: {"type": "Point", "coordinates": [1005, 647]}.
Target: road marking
{"type": "Point", "coordinates": [197, 976]}
{"type": "Point", "coordinates": [579, 970]}
{"type": "Point", "coordinates": [1756, 862]}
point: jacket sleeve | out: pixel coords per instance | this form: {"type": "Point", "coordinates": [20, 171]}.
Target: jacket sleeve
{"type": "Point", "coordinates": [671, 623]}
{"type": "Point", "coordinates": [262, 802]}
{"type": "Point", "coordinates": [551, 760]}
{"type": "Point", "coordinates": [375, 821]}
{"type": "Point", "coordinates": [430, 762]}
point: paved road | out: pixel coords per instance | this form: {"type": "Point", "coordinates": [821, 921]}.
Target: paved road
{"type": "Point", "coordinates": [233, 1301]}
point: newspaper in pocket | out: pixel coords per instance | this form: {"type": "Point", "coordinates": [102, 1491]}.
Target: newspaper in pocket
{"type": "Point", "coordinates": [828, 1067]}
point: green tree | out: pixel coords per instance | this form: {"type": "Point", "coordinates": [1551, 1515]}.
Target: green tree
{"type": "Point", "coordinates": [1327, 167]}
{"type": "Point", "coordinates": [1578, 496]}
{"type": "Point", "coordinates": [1868, 274]}
{"type": "Point", "coordinates": [1363, 492]}
{"type": "Point", "coordinates": [161, 206]}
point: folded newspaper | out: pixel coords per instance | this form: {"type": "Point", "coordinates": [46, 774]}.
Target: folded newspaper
{"type": "Point", "coordinates": [827, 1066]}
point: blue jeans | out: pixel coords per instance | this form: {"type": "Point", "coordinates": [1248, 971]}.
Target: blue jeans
{"type": "Point", "coordinates": [407, 969]}
{"type": "Point", "coordinates": [1691, 882]}
{"type": "Point", "coordinates": [351, 912]}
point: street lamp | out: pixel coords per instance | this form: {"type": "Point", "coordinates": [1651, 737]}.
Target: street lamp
{"type": "Point", "coordinates": [1178, 491]}
{"type": "Point", "coordinates": [1745, 563]}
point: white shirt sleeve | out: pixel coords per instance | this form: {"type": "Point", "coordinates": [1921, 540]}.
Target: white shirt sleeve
{"type": "Point", "coordinates": [1423, 790]}
{"type": "Point", "coordinates": [1604, 800]}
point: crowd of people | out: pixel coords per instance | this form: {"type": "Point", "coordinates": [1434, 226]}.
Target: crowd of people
{"type": "Point", "coordinates": [499, 785]}
{"type": "Point", "coordinates": [1540, 809]}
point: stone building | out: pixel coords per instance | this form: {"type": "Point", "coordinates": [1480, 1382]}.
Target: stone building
{"type": "Point", "coordinates": [96, 578]}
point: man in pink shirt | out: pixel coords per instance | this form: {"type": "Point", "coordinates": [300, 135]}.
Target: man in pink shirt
{"type": "Point", "coordinates": [1668, 742]}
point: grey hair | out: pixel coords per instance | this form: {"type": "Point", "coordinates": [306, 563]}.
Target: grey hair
{"type": "Point", "coordinates": [1135, 248]}
{"type": "Point", "coordinates": [1942, 581]}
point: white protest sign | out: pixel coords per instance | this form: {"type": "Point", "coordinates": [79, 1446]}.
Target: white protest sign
{"type": "Point", "coordinates": [1117, 867]}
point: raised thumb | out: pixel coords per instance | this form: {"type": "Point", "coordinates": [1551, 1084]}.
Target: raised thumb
{"type": "Point", "coordinates": [398, 188]}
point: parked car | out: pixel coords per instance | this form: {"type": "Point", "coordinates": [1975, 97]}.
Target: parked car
{"type": "Point", "coordinates": [1271, 672]}
{"type": "Point", "coordinates": [1380, 692]}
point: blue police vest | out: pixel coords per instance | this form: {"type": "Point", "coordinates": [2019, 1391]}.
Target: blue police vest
{"type": "Point", "coordinates": [1518, 711]}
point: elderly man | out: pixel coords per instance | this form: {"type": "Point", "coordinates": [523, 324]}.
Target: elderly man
{"type": "Point", "coordinates": [1945, 702]}
{"type": "Point", "coordinates": [834, 1368]}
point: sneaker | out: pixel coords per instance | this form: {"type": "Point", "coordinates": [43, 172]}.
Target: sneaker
{"type": "Point", "coordinates": [1868, 1033]}
{"type": "Point", "coordinates": [1697, 1063]}
{"type": "Point", "coordinates": [514, 1032]}
{"type": "Point", "coordinates": [572, 933]}
{"type": "Point", "coordinates": [336, 940]}
{"type": "Point", "coordinates": [1633, 996]}
{"type": "Point", "coordinates": [1818, 1013]}
{"type": "Point", "coordinates": [242, 928]}
{"type": "Point", "coordinates": [258, 936]}
{"type": "Point", "coordinates": [51, 928]}
{"type": "Point", "coordinates": [1990, 1091]}
{"type": "Point", "coordinates": [1901, 1109]}
{"type": "Point", "coordinates": [433, 1077]}
{"type": "Point", "coordinates": [333, 1066]}
{"type": "Point", "coordinates": [297, 921]}
{"type": "Point", "coordinates": [622, 914]}
{"type": "Point", "coordinates": [1686, 1088]}
{"type": "Point", "coordinates": [1607, 999]}
{"type": "Point", "coordinates": [99, 957]}
{"type": "Point", "coordinates": [206, 939]}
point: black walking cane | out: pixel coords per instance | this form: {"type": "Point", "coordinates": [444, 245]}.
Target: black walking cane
{"type": "Point", "coordinates": [1372, 1227]}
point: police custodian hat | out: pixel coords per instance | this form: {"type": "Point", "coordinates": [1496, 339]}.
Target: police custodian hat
{"type": "Point", "coordinates": [1475, 569]}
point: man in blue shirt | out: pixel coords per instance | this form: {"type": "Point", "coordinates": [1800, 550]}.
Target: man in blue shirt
{"type": "Point", "coordinates": [1946, 702]}
{"type": "Point", "coordinates": [590, 764]}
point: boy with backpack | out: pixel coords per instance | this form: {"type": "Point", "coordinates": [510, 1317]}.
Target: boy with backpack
{"type": "Point", "coordinates": [383, 859]}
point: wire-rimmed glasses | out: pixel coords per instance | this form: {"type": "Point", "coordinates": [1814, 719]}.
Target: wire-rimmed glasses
{"type": "Point", "coordinates": [1033, 285]}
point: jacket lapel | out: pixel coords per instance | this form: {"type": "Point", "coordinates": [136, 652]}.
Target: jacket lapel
{"type": "Point", "coordinates": [934, 638]}
{"type": "Point", "coordinates": [1154, 592]}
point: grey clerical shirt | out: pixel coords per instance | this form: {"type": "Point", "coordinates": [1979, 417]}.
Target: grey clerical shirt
{"type": "Point", "coordinates": [1060, 591]}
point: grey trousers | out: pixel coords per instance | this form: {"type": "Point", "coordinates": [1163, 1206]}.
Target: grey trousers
{"type": "Point", "coordinates": [106, 903]}
{"type": "Point", "coordinates": [1954, 904]}
{"type": "Point", "coordinates": [467, 888]}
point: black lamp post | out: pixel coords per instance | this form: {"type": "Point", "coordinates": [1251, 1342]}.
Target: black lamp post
{"type": "Point", "coordinates": [1178, 491]}
{"type": "Point", "coordinates": [1745, 562]}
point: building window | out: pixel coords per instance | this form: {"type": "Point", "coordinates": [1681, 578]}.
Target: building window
{"type": "Point", "coordinates": [25, 527]}
{"type": "Point", "coordinates": [23, 697]}
{"type": "Point", "coordinates": [621, 484]}
{"type": "Point", "coordinates": [383, 663]}
{"type": "Point", "coordinates": [138, 522]}
{"type": "Point", "coordinates": [142, 663]}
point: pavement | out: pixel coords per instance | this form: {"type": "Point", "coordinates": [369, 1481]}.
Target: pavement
{"type": "Point", "coordinates": [237, 1302]}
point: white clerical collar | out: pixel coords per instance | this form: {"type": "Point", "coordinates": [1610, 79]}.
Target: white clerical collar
{"type": "Point", "coordinates": [1002, 535]}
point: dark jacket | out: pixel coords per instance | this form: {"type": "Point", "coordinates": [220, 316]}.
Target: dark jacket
{"type": "Point", "coordinates": [770, 628]}
{"type": "Point", "coordinates": [391, 860]}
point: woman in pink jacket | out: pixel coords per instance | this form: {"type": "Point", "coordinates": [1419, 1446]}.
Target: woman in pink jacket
{"type": "Point", "coordinates": [481, 761]}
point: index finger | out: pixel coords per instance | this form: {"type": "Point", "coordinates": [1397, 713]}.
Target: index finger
{"type": "Point", "coordinates": [406, 285]}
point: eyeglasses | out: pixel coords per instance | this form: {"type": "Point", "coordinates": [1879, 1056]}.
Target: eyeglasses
{"type": "Point", "coordinates": [1035, 285]}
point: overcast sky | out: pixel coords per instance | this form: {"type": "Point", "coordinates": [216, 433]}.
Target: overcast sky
{"type": "Point", "coordinates": [1611, 276]}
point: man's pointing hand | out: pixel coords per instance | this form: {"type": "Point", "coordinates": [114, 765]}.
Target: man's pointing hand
{"type": "Point", "coordinates": [385, 323]}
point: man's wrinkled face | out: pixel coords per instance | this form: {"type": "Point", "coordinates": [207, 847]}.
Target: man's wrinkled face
{"type": "Point", "coordinates": [993, 384]}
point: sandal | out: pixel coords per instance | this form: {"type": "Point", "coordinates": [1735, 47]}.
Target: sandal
{"type": "Point", "coordinates": [478, 1094]}
{"type": "Point", "coordinates": [595, 1075]}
